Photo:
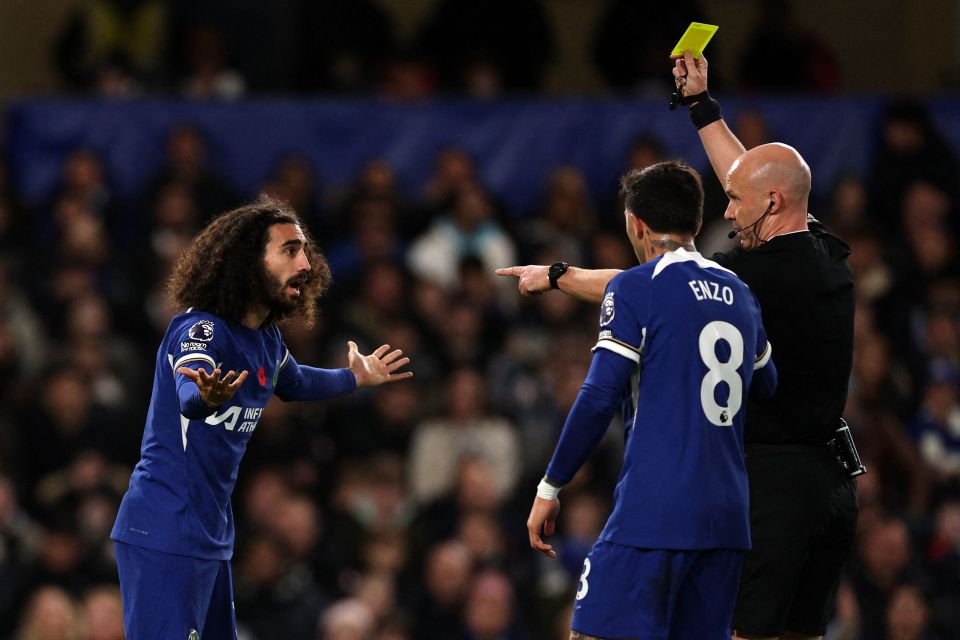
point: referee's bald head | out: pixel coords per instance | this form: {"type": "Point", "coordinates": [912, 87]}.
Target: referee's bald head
{"type": "Point", "coordinates": [778, 167]}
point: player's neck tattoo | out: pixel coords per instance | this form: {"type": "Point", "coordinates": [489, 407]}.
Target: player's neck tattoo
{"type": "Point", "coordinates": [668, 244]}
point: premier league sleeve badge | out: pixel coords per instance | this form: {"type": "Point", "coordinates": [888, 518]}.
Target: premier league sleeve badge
{"type": "Point", "coordinates": [607, 310]}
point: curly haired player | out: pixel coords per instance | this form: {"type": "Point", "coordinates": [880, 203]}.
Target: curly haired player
{"type": "Point", "coordinates": [174, 533]}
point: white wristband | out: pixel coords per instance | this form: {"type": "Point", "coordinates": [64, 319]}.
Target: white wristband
{"type": "Point", "coordinates": [547, 491]}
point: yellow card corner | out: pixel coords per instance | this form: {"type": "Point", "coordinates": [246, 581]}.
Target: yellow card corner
{"type": "Point", "coordinates": [695, 39]}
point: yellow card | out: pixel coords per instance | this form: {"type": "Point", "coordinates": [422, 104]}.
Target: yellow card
{"type": "Point", "coordinates": [695, 39]}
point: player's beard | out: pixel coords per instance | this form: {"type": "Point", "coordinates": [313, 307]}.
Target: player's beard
{"type": "Point", "coordinates": [273, 293]}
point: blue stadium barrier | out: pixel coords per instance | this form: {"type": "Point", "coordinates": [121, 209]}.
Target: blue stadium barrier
{"type": "Point", "coordinates": [515, 142]}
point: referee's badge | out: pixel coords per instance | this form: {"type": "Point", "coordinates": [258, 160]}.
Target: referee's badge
{"type": "Point", "coordinates": [607, 310]}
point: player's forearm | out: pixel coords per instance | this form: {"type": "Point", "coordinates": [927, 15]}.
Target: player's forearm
{"type": "Point", "coordinates": [312, 383]}
{"type": "Point", "coordinates": [586, 284]}
{"type": "Point", "coordinates": [192, 405]}
{"type": "Point", "coordinates": [722, 147]}
{"type": "Point", "coordinates": [582, 432]}
{"type": "Point", "coordinates": [590, 415]}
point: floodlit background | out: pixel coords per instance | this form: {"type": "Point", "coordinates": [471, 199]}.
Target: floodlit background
{"type": "Point", "coordinates": [427, 142]}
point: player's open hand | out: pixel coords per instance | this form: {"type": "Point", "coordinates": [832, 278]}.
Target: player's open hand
{"type": "Point", "coordinates": [690, 74]}
{"type": "Point", "coordinates": [214, 390]}
{"type": "Point", "coordinates": [378, 367]}
{"type": "Point", "coordinates": [533, 278]}
{"type": "Point", "coordinates": [543, 518]}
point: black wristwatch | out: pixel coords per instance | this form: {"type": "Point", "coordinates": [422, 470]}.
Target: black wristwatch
{"type": "Point", "coordinates": [556, 270]}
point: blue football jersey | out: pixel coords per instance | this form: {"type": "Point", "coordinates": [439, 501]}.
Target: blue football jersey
{"type": "Point", "coordinates": [179, 495]}
{"type": "Point", "coordinates": [695, 333]}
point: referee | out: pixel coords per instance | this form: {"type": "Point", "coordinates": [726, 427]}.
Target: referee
{"type": "Point", "coordinates": [803, 504]}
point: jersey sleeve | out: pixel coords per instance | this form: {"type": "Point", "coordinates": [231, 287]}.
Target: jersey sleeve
{"type": "Point", "coordinates": [196, 344]}
{"type": "Point", "coordinates": [623, 313]}
{"type": "Point", "coordinates": [299, 382]}
{"type": "Point", "coordinates": [590, 415]}
{"type": "Point", "coordinates": [764, 371]}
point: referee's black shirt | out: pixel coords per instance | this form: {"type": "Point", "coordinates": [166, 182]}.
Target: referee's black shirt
{"type": "Point", "coordinates": [805, 290]}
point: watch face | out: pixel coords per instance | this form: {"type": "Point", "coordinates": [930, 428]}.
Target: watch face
{"type": "Point", "coordinates": [558, 269]}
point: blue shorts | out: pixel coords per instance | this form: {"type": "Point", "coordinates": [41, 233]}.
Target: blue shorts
{"type": "Point", "coordinates": [171, 597]}
{"type": "Point", "coordinates": [626, 592]}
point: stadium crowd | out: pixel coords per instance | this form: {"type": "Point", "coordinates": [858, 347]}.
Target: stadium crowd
{"type": "Point", "coordinates": [400, 513]}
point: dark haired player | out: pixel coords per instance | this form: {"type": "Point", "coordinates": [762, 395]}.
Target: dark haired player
{"type": "Point", "coordinates": [174, 532]}
{"type": "Point", "coordinates": [680, 341]}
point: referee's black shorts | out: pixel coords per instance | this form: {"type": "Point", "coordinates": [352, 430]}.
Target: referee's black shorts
{"type": "Point", "coordinates": [803, 518]}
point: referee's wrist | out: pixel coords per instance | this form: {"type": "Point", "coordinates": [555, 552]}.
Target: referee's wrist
{"type": "Point", "coordinates": [548, 489]}
{"type": "Point", "coordinates": [704, 110]}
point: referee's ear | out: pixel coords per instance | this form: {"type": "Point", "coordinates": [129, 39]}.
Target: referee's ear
{"type": "Point", "coordinates": [775, 202]}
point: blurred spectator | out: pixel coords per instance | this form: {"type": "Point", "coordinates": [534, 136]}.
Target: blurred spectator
{"type": "Point", "coordinates": [276, 598]}
{"type": "Point", "coordinates": [926, 221]}
{"type": "Point", "coordinates": [936, 427]}
{"type": "Point", "coordinates": [632, 39]}
{"type": "Point", "coordinates": [295, 182]}
{"type": "Point", "coordinates": [885, 555]}
{"type": "Point", "coordinates": [112, 45]}
{"type": "Point", "coordinates": [378, 300]}
{"type": "Point", "coordinates": [475, 492]}
{"type": "Point", "coordinates": [176, 219]}
{"type": "Point", "coordinates": [344, 45]}
{"type": "Point", "coordinates": [876, 407]}
{"type": "Point", "coordinates": [389, 418]}
{"type": "Point", "coordinates": [83, 188]}
{"type": "Point", "coordinates": [446, 579]}
{"type": "Point", "coordinates": [453, 171]}
{"type": "Point", "coordinates": [469, 229]}
{"type": "Point", "coordinates": [379, 593]}
{"type": "Point", "coordinates": [102, 614]}
{"type": "Point", "coordinates": [49, 615]}
{"type": "Point", "coordinates": [67, 420]}
{"type": "Point", "coordinates": [645, 149]}
{"type": "Point", "coordinates": [781, 54]}
{"type": "Point", "coordinates": [407, 77]}
{"type": "Point", "coordinates": [96, 346]}
{"type": "Point", "coordinates": [187, 166]}
{"type": "Point", "coordinates": [911, 150]}
{"type": "Point", "coordinates": [908, 614]}
{"type": "Point", "coordinates": [372, 221]}
{"type": "Point", "coordinates": [490, 613]}
{"type": "Point", "coordinates": [488, 47]}
{"type": "Point", "coordinates": [209, 76]}
{"type": "Point", "coordinates": [19, 545]}
{"type": "Point", "coordinates": [465, 428]}
{"type": "Point", "coordinates": [369, 499]}
{"type": "Point", "coordinates": [566, 218]}
{"type": "Point", "coordinates": [846, 209]}
{"type": "Point", "coordinates": [348, 619]}
{"type": "Point", "coordinates": [943, 555]}
{"type": "Point", "coordinates": [23, 342]}
{"type": "Point", "coordinates": [376, 182]}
